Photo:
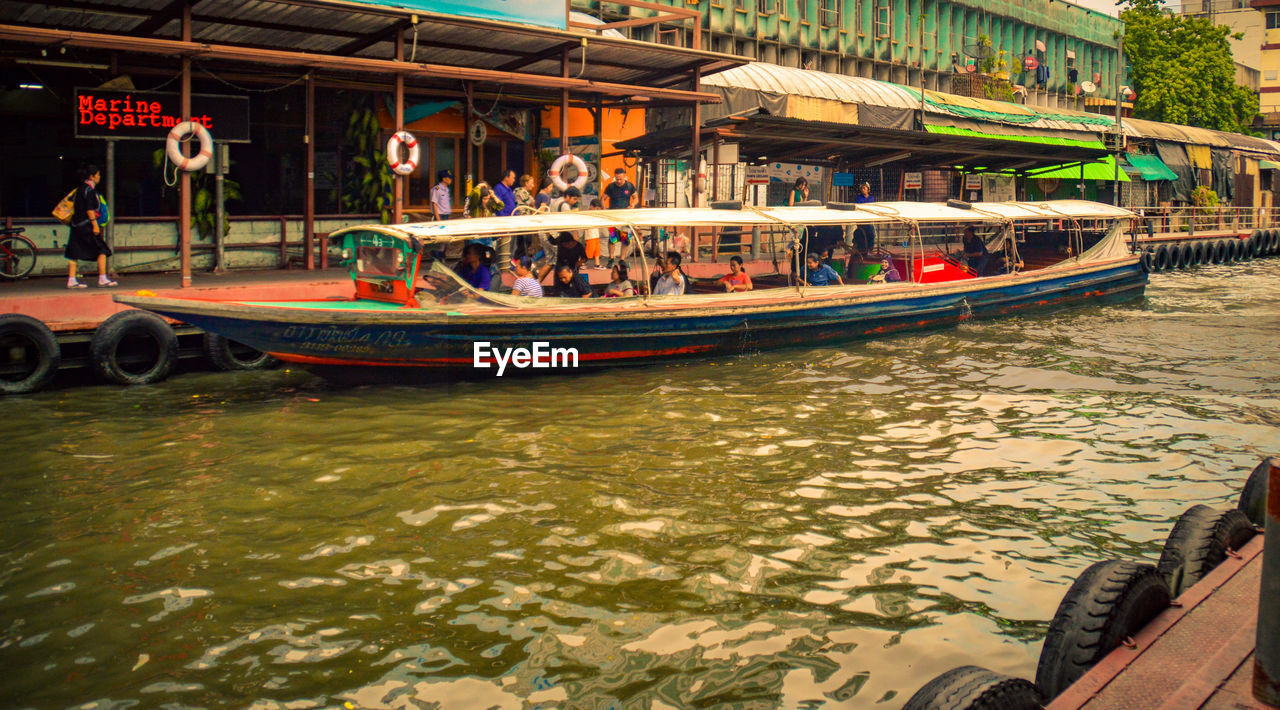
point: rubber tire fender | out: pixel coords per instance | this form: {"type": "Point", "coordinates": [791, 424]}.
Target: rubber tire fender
{"type": "Point", "coordinates": [1218, 250]}
{"type": "Point", "coordinates": [1108, 602]}
{"type": "Point", "coordinates": [1200, 251]}
{"type": "Point", "coordinates": [1188, 258]}
{"type": "Point", "coordinates": [1246, 249]}
{"type": "Point", "coordinates": [974, 688]}
{"type": "Point", "coordinates": [104, 348]}
{"type": "Point", "coordinates": [1253, 497]}
{"type": "Point", "coordinates": [1148, 261]}
{"type": "Point", "coordinates": [1233, 252]}
{"type": "Point", "coordinates": [1273, 241]}
{"type": "Point", "coordinates": [1162, 258]}
{"type": "Point", "coordinates": [40, 339]}
{"type": "Point", "coordinates": [222, 353]}
{"type": "Point", "coordinates": [1199, 542]}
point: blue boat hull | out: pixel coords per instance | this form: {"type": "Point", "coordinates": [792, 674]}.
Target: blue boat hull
{"type": "Point", "coordinates": [407, 345]}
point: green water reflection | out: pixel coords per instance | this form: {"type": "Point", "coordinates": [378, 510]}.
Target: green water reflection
{"type": "Point", "coordinates": [825, 527]}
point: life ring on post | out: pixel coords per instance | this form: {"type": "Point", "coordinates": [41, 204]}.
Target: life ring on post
{"type": "Point", "coordinates": [406, 139]}
{"type": "Point", "coordinates": [701, 178]}
{"type": "Point", "coordinates": [558, 166]}
{"type": "Point", "coordinates": [173, 147]}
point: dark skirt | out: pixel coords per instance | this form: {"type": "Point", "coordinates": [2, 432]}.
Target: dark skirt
{"type": "Point", "coordinates": [84, 245]}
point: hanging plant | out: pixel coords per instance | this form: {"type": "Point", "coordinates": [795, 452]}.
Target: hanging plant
{"type": "Point", "coordinates": [204, 213]}
{"type": "Point", "coordinates": [372, 181]}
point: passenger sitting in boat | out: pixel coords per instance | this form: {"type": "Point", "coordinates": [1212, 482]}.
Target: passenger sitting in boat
{"type": "Point", "coordinates": [736, 279]}
{"type": "Point", "coordinates": [821, 274]}
{"type": "Point", "coordinates": [472, 269]}
{"type": "Point", "coordinates": [975, 251]}
{"type": "Point", "coordinates": [671, 281]}
{"type": "Point", "coordinates": [525, 284]}
{"type": "Point", "coordinates": [568, 285]}
{"type": "Point", "coordinates": [888, 272]}
{"type": "Point", "coordinates": [619, 285]}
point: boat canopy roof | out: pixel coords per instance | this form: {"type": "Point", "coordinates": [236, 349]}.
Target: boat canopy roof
{"type": "Point", "coordinates": [746, 218]}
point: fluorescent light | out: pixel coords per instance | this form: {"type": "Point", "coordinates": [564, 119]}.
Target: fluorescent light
{"type": "Point", "coordinates": [31, 87]}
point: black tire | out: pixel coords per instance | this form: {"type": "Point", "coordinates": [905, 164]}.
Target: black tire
{"type": "Point", "coordinates": [1187, 258]}
{"type": "Point", "coordinates": [133, 348]}
{"type": "Point", "coordinates": [1108, 602]}
{"type": "Point", "coordinates": [1148, 261]}
{"type": "Point", "coordinates": [29, 354]}
{"type": "Point", "coordinates": [1198, 253]}
{"type": "Point", "coordinates": [1246, 249]}
{"type": "Point", "coordinates": [1199, 542]}
{"type": "Point", "coordinates": [1162, 258]}
{"type": "Point", "coordinates": [974, 688]}
{"type": "Point", "coordinates": [1253, 497]}
{"type": "Point", "coordinates": [1274, 240]}
{"type": "Point", "coordinates": [230, 355]}
{"type": "Point", "coordinates": [1233, 250]}
{"type": "Point", "coordinates": [1219, 252]}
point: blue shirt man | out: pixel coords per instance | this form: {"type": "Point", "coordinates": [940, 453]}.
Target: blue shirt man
{"type": "Point", "coordinates": [506, 194]}
{"type": "Point", "coordinates": [821, 274]}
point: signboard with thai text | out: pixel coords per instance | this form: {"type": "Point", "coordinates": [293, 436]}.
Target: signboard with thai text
{"type": "Point", "coordinates": [525, 12]}
{"type": "Point", "coordinates": [973, 182]}
{"type": "Point", "coordinates": [912, 181]}
{"type": "Point", "coordinates": [757, 175]}
{"type": "Point", "coordinates": [149, 115]}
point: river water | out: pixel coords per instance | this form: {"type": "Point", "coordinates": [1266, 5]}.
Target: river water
{"type": "Point", "coordinates": [812, 528]}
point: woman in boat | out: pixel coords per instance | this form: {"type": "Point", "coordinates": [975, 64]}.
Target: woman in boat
{"type": "Point", "coordinates": [975, 251]}
{"type": "Point", "coordinates": [736, 279]}
{"type": "Point", "coordinates": [671, 281]}
{"type": "Point", "coordinates": [799, 192]}
{"type": "Point", "coordinates": [472, 269]}
{"type": "Point", "coordinates": [821, 274]}
{"type": "Point", "coordinates": [888, 272]}
{"type": "Point", "coordinates": [619, 285]}
{"type": "Point", "coordinates": [525, 284]}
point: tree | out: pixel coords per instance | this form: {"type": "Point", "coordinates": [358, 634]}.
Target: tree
{"type": "Point", "coordinates": [1182, 70]}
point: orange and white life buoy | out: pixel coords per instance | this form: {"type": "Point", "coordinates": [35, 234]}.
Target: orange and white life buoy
{"type": "Point", "coordinates": [173, 145]}
{"type": "Point", "coordinates": [701, 179]}
{"type": "Point", "coordinates": [556, 167]}
{"type": "Point", "coordinates": [406, 139]}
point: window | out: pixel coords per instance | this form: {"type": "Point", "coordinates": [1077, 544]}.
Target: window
{"type": "Point", "coordinates": [829, 13]}
{"type": "Point", "coordinates": [766, 7]}
{"type": "Point", "coordinates": [1269, 75]}
{"type": "Point", "coordinates": [1273, 19]}
{"type": "Point", "coordinates": [802, 10]}
{"type": "Point", "coordinates": [884, 22]}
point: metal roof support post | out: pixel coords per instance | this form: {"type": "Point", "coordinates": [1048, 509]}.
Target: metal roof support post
{"type": "Point", "coordinates": [1082, 179]}
{"type": "Point", "coordinates": [695, 150]}
{"type": "Point", "coordinates": [1266, 660]}
{"type": "Point", "coordinates": [397, 207]}
{"type": "Point", "coordinates": [309, 199]}
{"type": "Point", "coordinates": [1115, 194]}
{"type": "Point", "coordinates": [564, 104]}
{"type": "Point", "coordinates": [184, 180]}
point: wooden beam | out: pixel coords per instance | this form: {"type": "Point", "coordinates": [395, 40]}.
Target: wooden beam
{"type": "Point", "coordinates": [367, 41]}
{"type": "Point", "coordinates": [157, 21]}
{"type": "Point", "coordinates": [525, 60]}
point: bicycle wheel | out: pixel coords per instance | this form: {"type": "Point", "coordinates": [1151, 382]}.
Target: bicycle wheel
{"type": "Point", "coordinates": [17, 257]}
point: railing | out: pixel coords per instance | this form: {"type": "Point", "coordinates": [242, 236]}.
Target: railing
{"type": "Point", "coordinates": [1190, 221]}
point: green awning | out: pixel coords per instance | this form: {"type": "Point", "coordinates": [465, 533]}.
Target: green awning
{"type": "Point", "coordinates": [1103, 169]}
{"type": "Point", "coordinates": [1151, 167]}
{"type": "Point", "coordinates": [1025, 138]}
{"type": "Point", "coordinates": [1268, 165]}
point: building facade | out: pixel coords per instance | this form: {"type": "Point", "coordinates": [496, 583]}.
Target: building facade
{"type": "Point", "coordinates": [911, 42]}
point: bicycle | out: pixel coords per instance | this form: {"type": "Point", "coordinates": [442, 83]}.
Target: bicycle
{"type": "Point", "coordinates": [17, 254]}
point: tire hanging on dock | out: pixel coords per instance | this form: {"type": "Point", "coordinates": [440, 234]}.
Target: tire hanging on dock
{"type": "Point", "coordinates": [975, 688]}
{"type": "Point", "coordinates": [133, 348]}
{"type": "Point", "coordinates": [1187, 257]}
{"type": "Point", "coordinates": [1219, 252]}
{"type": "Point", "coordinates": [1161, 259]}
{"type": "Point", "coordinates": [229, 355]}
{"type": "Point", "coordinates": [29, 354]}
{"type": "Point", "coordinates": [1148, 260]}
{"type": "Point", "coordinates": [1199, 542]}
{"type": "Point", "coordinates": [1253, 497]}
{"type": "Point", "coordinates": [1200, 250]}
{"type": "Point", "coordinates": [1107, 603]}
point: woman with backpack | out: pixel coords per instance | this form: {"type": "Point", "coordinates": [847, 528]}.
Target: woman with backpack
{"type": "Point", "coordinates": [86, 242]}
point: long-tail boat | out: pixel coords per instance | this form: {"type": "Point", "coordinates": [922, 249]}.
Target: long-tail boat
{"type": "Point", "coordinates": [412, 318]}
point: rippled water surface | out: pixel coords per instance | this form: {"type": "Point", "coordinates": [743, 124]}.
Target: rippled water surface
{"type": "Point", "coordinates": [817, 527]}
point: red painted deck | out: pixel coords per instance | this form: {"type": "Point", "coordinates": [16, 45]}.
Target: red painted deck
{"type": "Point", "coordinates": [1196, 655]}
{"type": "Point", "coordinates": [49, 300]}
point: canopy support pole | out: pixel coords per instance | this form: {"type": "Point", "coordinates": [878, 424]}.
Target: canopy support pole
{"type": "Point", "coordinates": [397, 207]}
{"type": "Point", "coordinates": [695, 151]}
{"type": "Point", "coordinates": [184, 179]}
{"type": "Point", "coordinates": [309, 199]}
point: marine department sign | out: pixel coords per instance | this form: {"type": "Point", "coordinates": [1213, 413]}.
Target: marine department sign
{"type": "Point", "coordinates": [148, 115]}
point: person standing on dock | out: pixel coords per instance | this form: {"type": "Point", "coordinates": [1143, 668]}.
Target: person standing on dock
{"type": "Point", "coordinates": [799, 192]}
{"type": "Point", "coordinates": [622, 195]}
{"type": "Point", "coordinates": [86, 242]}
{"type": "Point", "coordinates": [864, 237]}
{"type": "Point", "coordinates": [441, 200]}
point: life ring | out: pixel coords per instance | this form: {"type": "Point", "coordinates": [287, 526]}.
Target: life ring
{"type": "Point", "coordinates": [971, 688]}
{"type": "Point", "coordinates": [172, 146]}
{"type": "Point", "coordinates": [406, 139]}
{"type": "Point", "coordinates": [1199, 542]}
{"type": "Point", "coordinates": [701, 178]}
{"type": "Point", "coordinates": [228, 355]}
{"type": "Point", "coordinates": [1107, 603]}
{"type": "Point", "coordinates": [558, 166]}
{"type": "Point", "coordinates": [30, 352]}
{"type": "Point", "coordinates": [133, 348]}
